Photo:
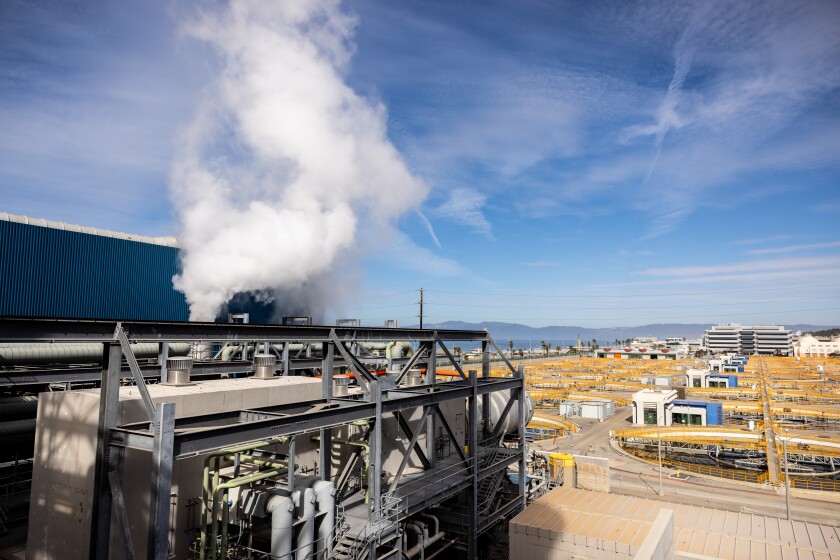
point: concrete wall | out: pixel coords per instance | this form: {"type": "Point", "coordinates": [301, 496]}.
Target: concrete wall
{"type": "Point", "coordinates": [65, 453]}
{"type": "Point", "coordinates": [592, 473]}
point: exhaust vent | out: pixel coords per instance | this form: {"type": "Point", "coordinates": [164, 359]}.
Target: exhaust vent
{"type": "Point", "coordinates": [178, 370]}
{"type": "Point", "coordinates": [264, 366]}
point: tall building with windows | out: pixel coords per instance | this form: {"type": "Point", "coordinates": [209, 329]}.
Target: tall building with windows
{"type": "Point", "coordinates": [763, 340]}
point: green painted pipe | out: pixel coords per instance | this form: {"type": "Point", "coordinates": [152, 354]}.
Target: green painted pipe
{"type": "Point", "coordinates": [206, 488]}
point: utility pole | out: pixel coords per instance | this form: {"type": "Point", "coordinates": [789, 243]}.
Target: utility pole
{"type": "Point", "coordinates": [787, 480]}
{"type": "Point", "coordinates": [421, 308]}
{"type": "Point", "coordinates": [659, 452]}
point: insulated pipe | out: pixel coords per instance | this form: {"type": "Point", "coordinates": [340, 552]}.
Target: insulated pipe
{"type": "Point", "coordinates": [401, 347]}
{"type": "Point", "coordinates": [282, 510]}
{"type": "Point", "coordinates": [305, 503]}
{"type": "Point", "coordinates": [325, 499]}
{"type": "Point", "coordinates": [67, 353]}
{"type": "Point", "coordinates": [15, 408]}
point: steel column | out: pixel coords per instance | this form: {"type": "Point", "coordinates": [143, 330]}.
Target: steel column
{"type": "Point", "coordinates": [472, 513]}
{"type": "Point", "coordinates": [109, 396]}
{"type": "Point", "coordinates": [521, 433]}
{"type": "Point", "coordinates": [376, 454]}
{"type": "Point", "coordinates": [162, 462]}
{"type": "Point", "coordinates": [485, 399]}
{"type": "Point", "coordinates": [163, 355]}
{"type": "Point", "coordinates": [431, 378]}
{"type": "Point", "coordinates": [325, 443]}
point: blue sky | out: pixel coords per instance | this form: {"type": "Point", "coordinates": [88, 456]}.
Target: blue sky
{"type": "Point", "coordinates": [592, 164]}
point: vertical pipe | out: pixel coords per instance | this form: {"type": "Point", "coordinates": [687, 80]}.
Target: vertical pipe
{"type": "Point", "coordinates": [325, 499]}
{"type": "Point", "coordinates": [282, 519]}
{"type": "Point", "coordinates": [306, 532]}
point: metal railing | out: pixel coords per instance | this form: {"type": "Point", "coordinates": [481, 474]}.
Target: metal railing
{"type": "Point", "coordinates": [755, 477]}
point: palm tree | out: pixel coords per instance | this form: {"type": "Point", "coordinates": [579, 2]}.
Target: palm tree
{"type": "Point", "coordinates": [510, 347]}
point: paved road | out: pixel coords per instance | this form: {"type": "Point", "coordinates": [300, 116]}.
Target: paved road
{"type": "Point", "coordinates": [633, 477]}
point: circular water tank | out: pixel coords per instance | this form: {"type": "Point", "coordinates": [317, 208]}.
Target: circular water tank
{"type": "Point", "coordinates": [498, 402]}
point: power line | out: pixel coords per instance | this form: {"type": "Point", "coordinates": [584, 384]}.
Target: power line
{"type": "Point", "coordinates": [605, 295]}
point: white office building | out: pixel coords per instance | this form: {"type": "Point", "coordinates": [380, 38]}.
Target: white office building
{"type": "Point", "coordinates": [763, 340]}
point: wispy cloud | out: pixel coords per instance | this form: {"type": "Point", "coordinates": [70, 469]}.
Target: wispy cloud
{"type": "Point", "coordinates": [464, 206]}
{"type": "Point", "coordinates": [760, 240]}
{"type": "Point", "coordinates": [410, 256]}
{"type": "Point", "coordinates": [828, 207]}
{"type": "Point", "coordinates": [429, 228]}
{"type": "Point", "coordinates": [749, 266]}
{"type": "Point", "coordinates": [795, 248]}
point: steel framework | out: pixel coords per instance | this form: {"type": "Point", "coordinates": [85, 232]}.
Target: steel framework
{"type": "Point", "coordinates": [169, 439]}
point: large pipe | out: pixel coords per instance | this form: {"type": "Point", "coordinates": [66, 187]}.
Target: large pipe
{"type": "Point", "coordinates": [282, 510]}
{"type": "Point", "coordinates": [325, 499]}
{"type": "Point", "coordinates": [424, 539]}
{"type": "Point", "coordinates": [305, 503]}
{"type": "Point", "coordinates": [35, 353]}
{"type": "Point", "coordinates": [16, 408]}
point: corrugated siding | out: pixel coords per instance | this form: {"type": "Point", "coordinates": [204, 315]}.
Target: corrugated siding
{"type": "Point", "coordinates": [47, 272]}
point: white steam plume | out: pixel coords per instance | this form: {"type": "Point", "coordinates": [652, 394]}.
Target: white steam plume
{"type": "Point", "coordinates": [283, 160]}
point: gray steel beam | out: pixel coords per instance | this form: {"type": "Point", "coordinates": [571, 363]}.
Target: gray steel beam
{"type": "Point", "coordinates": [225, 429]}
{"type": "Point", "coordinates": [162, 461]}
{"type": "Point", "coordinates": [135, 371]}
{"type": "Point", "coordinates": [108, 418]}
{"type": "Point", "coordinates": [415, 359]}
{"type": "Point", "coordinates": [115, 483]}
{"type": "Point", "coordinates": [32, 330]}
{"type": "Point", "coordinates": [452, 360]}
{"type": "Point", "coordinates": [412, 444]}
{"type": "Point", "coordinates": [414, 436]}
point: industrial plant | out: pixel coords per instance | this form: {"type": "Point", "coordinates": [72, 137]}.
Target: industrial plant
{"type": "Point", "coordinates": [131, 432]}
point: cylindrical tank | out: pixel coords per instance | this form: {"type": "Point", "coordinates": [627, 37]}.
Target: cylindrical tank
{"type": "Point", "coordinates": [178, 370]}
{"type": "Point", "coordinates": [498, 402]}
{"type": "Point", "coordinates": [264, 366]}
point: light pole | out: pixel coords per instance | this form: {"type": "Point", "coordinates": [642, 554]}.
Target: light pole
{"type": "Point", "coordinates": [659, 451]}
{"type": "Point", "coordinates": [787, 480]}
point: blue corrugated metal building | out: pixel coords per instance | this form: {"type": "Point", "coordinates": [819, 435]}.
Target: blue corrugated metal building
{"type": "Point", "coordinates": [714, 411]}
{"type": "Point", "coordinates": [56, 270]}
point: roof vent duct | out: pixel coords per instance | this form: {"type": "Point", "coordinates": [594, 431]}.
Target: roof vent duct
{"type": "Point", "coordinates": [178, 370]}
{"type": "Point", "coordinates": [264, 366]}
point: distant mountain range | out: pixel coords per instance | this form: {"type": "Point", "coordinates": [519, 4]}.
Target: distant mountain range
{"type": "Point", "coordinates": [502, 332]}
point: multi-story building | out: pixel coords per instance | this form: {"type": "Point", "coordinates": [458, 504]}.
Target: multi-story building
{"type": "Point", "coordinates": [764, 340]}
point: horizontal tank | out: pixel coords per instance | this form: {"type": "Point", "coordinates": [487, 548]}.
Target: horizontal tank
{"type": "Point", "coordinates": [498, 402]}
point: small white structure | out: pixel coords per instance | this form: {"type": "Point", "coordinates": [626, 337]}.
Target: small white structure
{"type": "Point", "coordinates": [810, 346]}
{"type": "Point", "coordinates": [597, 409]}
{"type": "Point", "coordinates": [651, 407]}
{"type": "Point", "coordinates": [662, 380]}
{"type": "Point", "coordinates": [696, 377]}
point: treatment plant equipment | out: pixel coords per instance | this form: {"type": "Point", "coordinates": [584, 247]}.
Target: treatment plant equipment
{"type": "Point", "coordinates": [302, 448]}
